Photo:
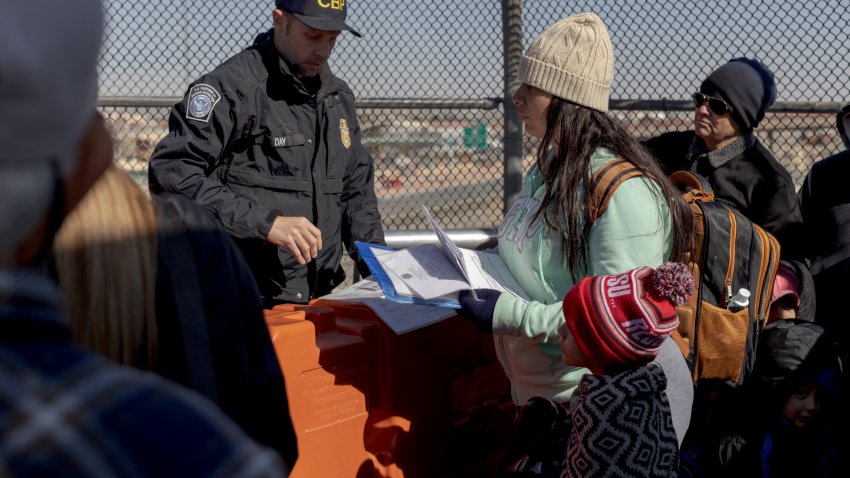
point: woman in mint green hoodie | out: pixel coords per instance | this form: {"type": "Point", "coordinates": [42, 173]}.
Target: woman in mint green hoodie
{"type": "Point", "coordinates": [549, 240]}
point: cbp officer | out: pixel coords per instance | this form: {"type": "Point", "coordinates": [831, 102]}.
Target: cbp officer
{"type": "Point", "coordinates": [269, 142]}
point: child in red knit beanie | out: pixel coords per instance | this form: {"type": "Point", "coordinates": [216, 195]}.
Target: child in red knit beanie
{"type": "Point", "coordinates": [617, 422]}
{"type": "Point", "coordinates": [614, 326]}
{"type": "Point", "coordinates": [617, 322]}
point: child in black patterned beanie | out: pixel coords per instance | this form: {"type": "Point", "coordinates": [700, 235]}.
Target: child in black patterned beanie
{"type": "Point", "coordinates": [617, 422]}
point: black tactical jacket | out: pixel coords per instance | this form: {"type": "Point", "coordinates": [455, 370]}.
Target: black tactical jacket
{"type": "Point", "coordinates": [249, 142]}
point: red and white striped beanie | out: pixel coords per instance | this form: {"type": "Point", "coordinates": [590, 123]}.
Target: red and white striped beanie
{"type": "Point", "coordinates": [622, 319]}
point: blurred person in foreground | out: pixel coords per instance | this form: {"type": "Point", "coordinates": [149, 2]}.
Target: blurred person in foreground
{"type": "Point", "coordinates": [161, 287]}
{"type": "Point", "coordinates": [723, 147]}
{"type": "Point", "coordinates": [269, 142]}
{"type": "Point", "coordinates": [825, 202]}
{"type": "Point", "coordinates": [65, 411]}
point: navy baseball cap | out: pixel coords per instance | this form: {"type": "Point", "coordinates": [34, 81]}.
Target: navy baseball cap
{"type": "Point", "coordinates": [326, 15]}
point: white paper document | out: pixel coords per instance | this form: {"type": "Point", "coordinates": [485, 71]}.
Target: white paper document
{"type": "Point", "coordinates": [486, 270]}
{"type": "Point", "coordinates": [424, 269]}
{"type": "Point", "coordinates": [367, 288]}
{"type": "Point", "coordinates": [403, 318]}
{"type": "Point", "coordinates": [449, 247]}
{"type": "Point", "coordinates": [400, 318]}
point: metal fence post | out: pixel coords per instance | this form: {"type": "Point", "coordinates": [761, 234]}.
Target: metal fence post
{"type": "Point", "coordinates": [512, 47]}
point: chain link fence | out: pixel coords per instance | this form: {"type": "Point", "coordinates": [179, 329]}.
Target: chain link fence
{"type": "Point", "coordinates": [431, 84]}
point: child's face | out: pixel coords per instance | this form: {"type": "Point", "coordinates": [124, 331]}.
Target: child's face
{"type": "Point", "coordinates": [803, 405]}
{"type": "Point", "coordinates": [569, 348]}
{"type": "Point", "coordinates": [783, 308]}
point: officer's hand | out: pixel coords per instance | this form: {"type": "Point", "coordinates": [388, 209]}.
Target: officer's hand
{"type": "Point", "coordinates": [298, 235]}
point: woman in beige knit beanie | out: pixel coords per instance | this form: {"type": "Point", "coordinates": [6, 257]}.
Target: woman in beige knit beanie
{"type": "Point", "coordinates": [553, 235]}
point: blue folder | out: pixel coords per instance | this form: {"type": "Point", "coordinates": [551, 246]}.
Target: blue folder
{"type": "Point", "coordinates": [383, 280]}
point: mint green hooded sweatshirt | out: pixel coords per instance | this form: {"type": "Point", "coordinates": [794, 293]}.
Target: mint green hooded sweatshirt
{"type": "Point", "coordinates": [634, 231]}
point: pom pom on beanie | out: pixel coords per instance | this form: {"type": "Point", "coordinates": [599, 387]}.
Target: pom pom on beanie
{"type": "Point", "coordinates": [674, 281]}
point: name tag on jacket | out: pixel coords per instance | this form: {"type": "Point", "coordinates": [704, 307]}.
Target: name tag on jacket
{"type": "Point", "coordinates": [295, 139]}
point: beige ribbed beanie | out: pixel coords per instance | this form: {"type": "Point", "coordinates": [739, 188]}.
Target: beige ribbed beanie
{"type": "Point", "coordinates": [574, 60]}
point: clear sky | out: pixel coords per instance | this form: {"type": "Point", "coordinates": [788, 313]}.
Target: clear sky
{"type": "Point", "coordinates": [453, 48]}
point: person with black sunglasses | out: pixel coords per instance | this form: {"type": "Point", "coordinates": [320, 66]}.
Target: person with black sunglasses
{"type": "Point", "coordinates": [723, 147]}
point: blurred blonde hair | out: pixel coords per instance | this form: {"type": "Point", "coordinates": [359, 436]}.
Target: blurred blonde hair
{"type": "Point", "coordinates": [105, 256]}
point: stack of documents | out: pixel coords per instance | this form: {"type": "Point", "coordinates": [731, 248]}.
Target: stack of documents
{"type": "Point", "coordinates": [431, 274]}
{"type": "Point", "coordinates": [414, 287]}
{"type": "Point", "coordinates": [399, 317]}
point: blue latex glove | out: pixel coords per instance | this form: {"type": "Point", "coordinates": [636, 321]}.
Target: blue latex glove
{"type": "Point", "coordinates": [479, 311]}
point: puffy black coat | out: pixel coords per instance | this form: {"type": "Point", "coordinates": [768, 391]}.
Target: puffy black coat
{"type": "Point", "coordinates": [753, 182]}
{"type": "Point", "coordinates": [825, 204]}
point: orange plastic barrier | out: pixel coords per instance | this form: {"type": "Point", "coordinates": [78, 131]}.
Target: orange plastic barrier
{"type": "Point", "coordinates": [365, 402]}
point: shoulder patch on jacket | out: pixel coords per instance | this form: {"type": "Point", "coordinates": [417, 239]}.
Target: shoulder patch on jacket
{"type": "Point", "coordinates": [202, 100]}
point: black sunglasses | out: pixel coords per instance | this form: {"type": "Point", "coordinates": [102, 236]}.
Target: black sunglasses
{"type": "Point", "coordinates": [716, 105]}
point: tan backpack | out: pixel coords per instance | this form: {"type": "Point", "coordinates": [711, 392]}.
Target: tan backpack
{"type": "Point", "coordinates": [729, 253]}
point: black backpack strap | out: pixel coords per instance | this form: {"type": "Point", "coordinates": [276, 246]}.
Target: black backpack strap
{"type": "Point", "coordinates": [181, 270]}
{"type": "Point", "coordinates": [605, 182]}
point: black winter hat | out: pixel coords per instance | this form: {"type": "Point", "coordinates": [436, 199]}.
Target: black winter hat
{"type": "Point", "coordinates": [747, 85]}
{"type": "Point", "coordinates": [793, 349]}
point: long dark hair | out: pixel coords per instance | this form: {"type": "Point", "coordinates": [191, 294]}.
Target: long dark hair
{"type": "Point", "coordinates": [576, 132]}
